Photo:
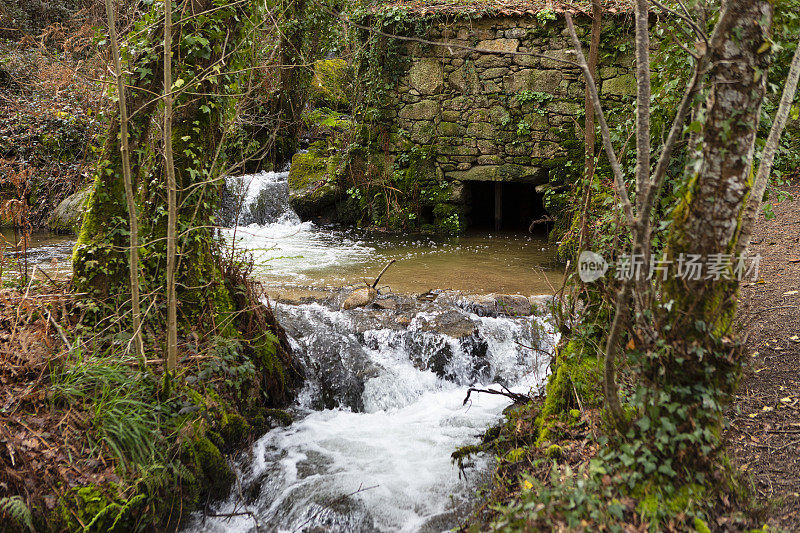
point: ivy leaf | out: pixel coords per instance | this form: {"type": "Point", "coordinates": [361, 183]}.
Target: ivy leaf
{"type": "Point", "coordinates": [695, 127]}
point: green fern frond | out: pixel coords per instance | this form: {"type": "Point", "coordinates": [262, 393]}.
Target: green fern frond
{"type": "Point", "coordinates": [14, 507]}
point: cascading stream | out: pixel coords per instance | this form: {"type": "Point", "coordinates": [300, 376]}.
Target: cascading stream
{"type": "Point", "coordinates": [381, 408]}
{"type": "Point", "coordinates": [379, 416]}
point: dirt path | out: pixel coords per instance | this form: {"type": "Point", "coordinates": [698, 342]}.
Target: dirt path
{"type": "Point", "coordinates": [765, 419]}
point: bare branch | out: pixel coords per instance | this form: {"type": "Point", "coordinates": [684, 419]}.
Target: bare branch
{"type": "Point", "coordinates": [610, 389]}
{"type": "Point", "coordinates": [172, 319]}
{"type": "Point", "coordinates": [675, 132]}
{"type": "Point", "coordinates": [685, 17]}
{"type": "Point", "coordinates": [589, 126]}
{"type": "Point", "coordinates": [642, 104]}
{"type": "Point", "coordinates": [619, 180]}
{"type": "Point", "coordinates": [768, 155]}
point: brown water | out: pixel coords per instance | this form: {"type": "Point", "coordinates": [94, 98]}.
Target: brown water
{"type": "Point", "coordinates": [48, 252]}
{"type": "Point", "coordinates": [304, 260]}
{"type": "Point", "coordinates": [301, 259]}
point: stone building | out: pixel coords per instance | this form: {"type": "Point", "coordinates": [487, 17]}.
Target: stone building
{"type": "Point", "coordinates": [465, 103]}
{"type": "Point", "coordinates": [506, 126]}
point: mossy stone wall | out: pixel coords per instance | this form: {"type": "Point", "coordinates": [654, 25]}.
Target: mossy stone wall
{"type": "Point", "coordinates": [501, 116]}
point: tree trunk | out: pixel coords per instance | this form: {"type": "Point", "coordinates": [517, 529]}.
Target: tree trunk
{"type": "Point", "coordinates": [588, 128]}
{"type": "Point", "coordinates": [706, 222]}
{"type": "Point", "coordinates": [172, 208]}
{"type": "Point", "coordinates": [125, 155]}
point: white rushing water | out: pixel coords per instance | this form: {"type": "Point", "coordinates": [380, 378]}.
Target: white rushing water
{"type": "Point", "coordinates": [280, 243]}
{"type": "Point", "coordinates": [378, 458]}
{"type": "Point", "coordinates": [382, 407]}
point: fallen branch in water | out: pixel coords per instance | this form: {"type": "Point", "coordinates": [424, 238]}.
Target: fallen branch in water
{"type": "Point", "coordinates": [375, 284]}
{"type": "Point", "coordinates": [535, 349]}
{"type": "Point", "coordinates": [517, 397]}
{"type": "Point", "coordinates": [544, 220]}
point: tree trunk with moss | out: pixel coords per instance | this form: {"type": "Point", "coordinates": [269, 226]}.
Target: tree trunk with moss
{"type": "Point", "coordinates": [201, 46]}
{"type": "Point", "coordinates": [206, 54]}
{"type": "Point", "coordinates": [706, 221]}
{"type": "Point", "coordinates": [699, 363]}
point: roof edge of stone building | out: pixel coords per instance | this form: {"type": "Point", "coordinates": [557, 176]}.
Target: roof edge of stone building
{"type": "Point", "coordinates": [497, 8]}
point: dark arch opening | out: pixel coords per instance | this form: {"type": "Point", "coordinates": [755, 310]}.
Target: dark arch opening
{"type": "Point", "coordinates": [513, 205]}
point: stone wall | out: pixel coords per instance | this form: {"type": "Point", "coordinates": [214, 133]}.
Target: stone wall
{"type": "Point", "coordinates": [430, 122]}
{"type": "Point", "coordinates": [502, 117]}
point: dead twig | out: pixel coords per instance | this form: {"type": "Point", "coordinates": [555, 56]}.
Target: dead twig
{"type": "Point", "coordinates": [58, 329]}
{"type": "Point", "coordinates": [516, 397]}
{"type": "Point", "coordinates": [375, 283]}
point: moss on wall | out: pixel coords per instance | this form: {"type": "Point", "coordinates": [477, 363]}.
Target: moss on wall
{"type": "Point", "coordinates": [331, 84]}
{"type": "Point", "coordinates": [487, 116]}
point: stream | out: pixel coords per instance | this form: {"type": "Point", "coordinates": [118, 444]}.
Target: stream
{"type": "Point", "coordinates": [382, 406]}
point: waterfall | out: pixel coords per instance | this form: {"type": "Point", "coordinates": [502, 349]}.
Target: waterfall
{"type": "Point", "coordinates": [260, 199]}
{"type": "Point", "coordinates": [379, 416]}
{"type": "Point", "coordinates": [381, 409]}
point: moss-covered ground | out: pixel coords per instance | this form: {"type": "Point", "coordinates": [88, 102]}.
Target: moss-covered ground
{"type": "Point", "coordinates": [96, 440]}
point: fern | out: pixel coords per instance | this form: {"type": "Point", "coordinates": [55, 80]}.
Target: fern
{"type": "Point", "coordinates": [14, 506]}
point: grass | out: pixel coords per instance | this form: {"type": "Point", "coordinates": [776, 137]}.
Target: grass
{"type": "Point", "coordinates": [121, 399]}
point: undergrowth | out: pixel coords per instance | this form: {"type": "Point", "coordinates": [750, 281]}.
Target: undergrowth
{"type": "Point", "coordinates": [115, 446]}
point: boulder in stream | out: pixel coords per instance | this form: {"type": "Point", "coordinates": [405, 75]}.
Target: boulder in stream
{"type": "Point", "coordinates": [499, 305]}
{"type": "Point", "coordinates": [313, 187]}
{"type": "Point", "coordinates": [360, 298]}
{"type": "Point", "coordinates": [68, 216]}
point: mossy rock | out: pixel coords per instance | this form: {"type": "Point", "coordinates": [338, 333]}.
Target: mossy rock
{"type": "Point", "coordinates": [68, 215]}
{"type": "Point", "coordinates": [213, 473]}
{"type": "Point", "coordinates": [313, 191]}
{"type": "Point", "coordinates": [331, 84]}
{"type": "Point", "coordinates": [235, 430]}
{"type": "Point", "coordinates": [283, 418]}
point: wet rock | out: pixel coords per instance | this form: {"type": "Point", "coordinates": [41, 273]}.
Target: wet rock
{"type": "Point", "coordinates": [513, 305]}
{"type": "Point", "coordinates": [268, 206]}
{"type": "Point", "coordinates": [340, 369]}
{"type": "Point", "coordinates": [449, 344]}
{"type": "Point", "coordinates": [360, 298]}
{"type": "Point", "coordinates": [386, 303]}
{"type": "Point", "coordinates": [498, 305]}
{"type": "Point", "coordinates": [313, 189]}
{"type": "Point", "coordinates": [370, 318]}
{"type": "Point", "coordinates": [68, 216]}
{"type": "Point", "coordinates": [540, 303]}
{"type": "Point", "coordinates": [450, 323]}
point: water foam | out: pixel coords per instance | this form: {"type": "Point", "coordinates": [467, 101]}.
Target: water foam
{"type": "Point", "coordinates": [385, 466]}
